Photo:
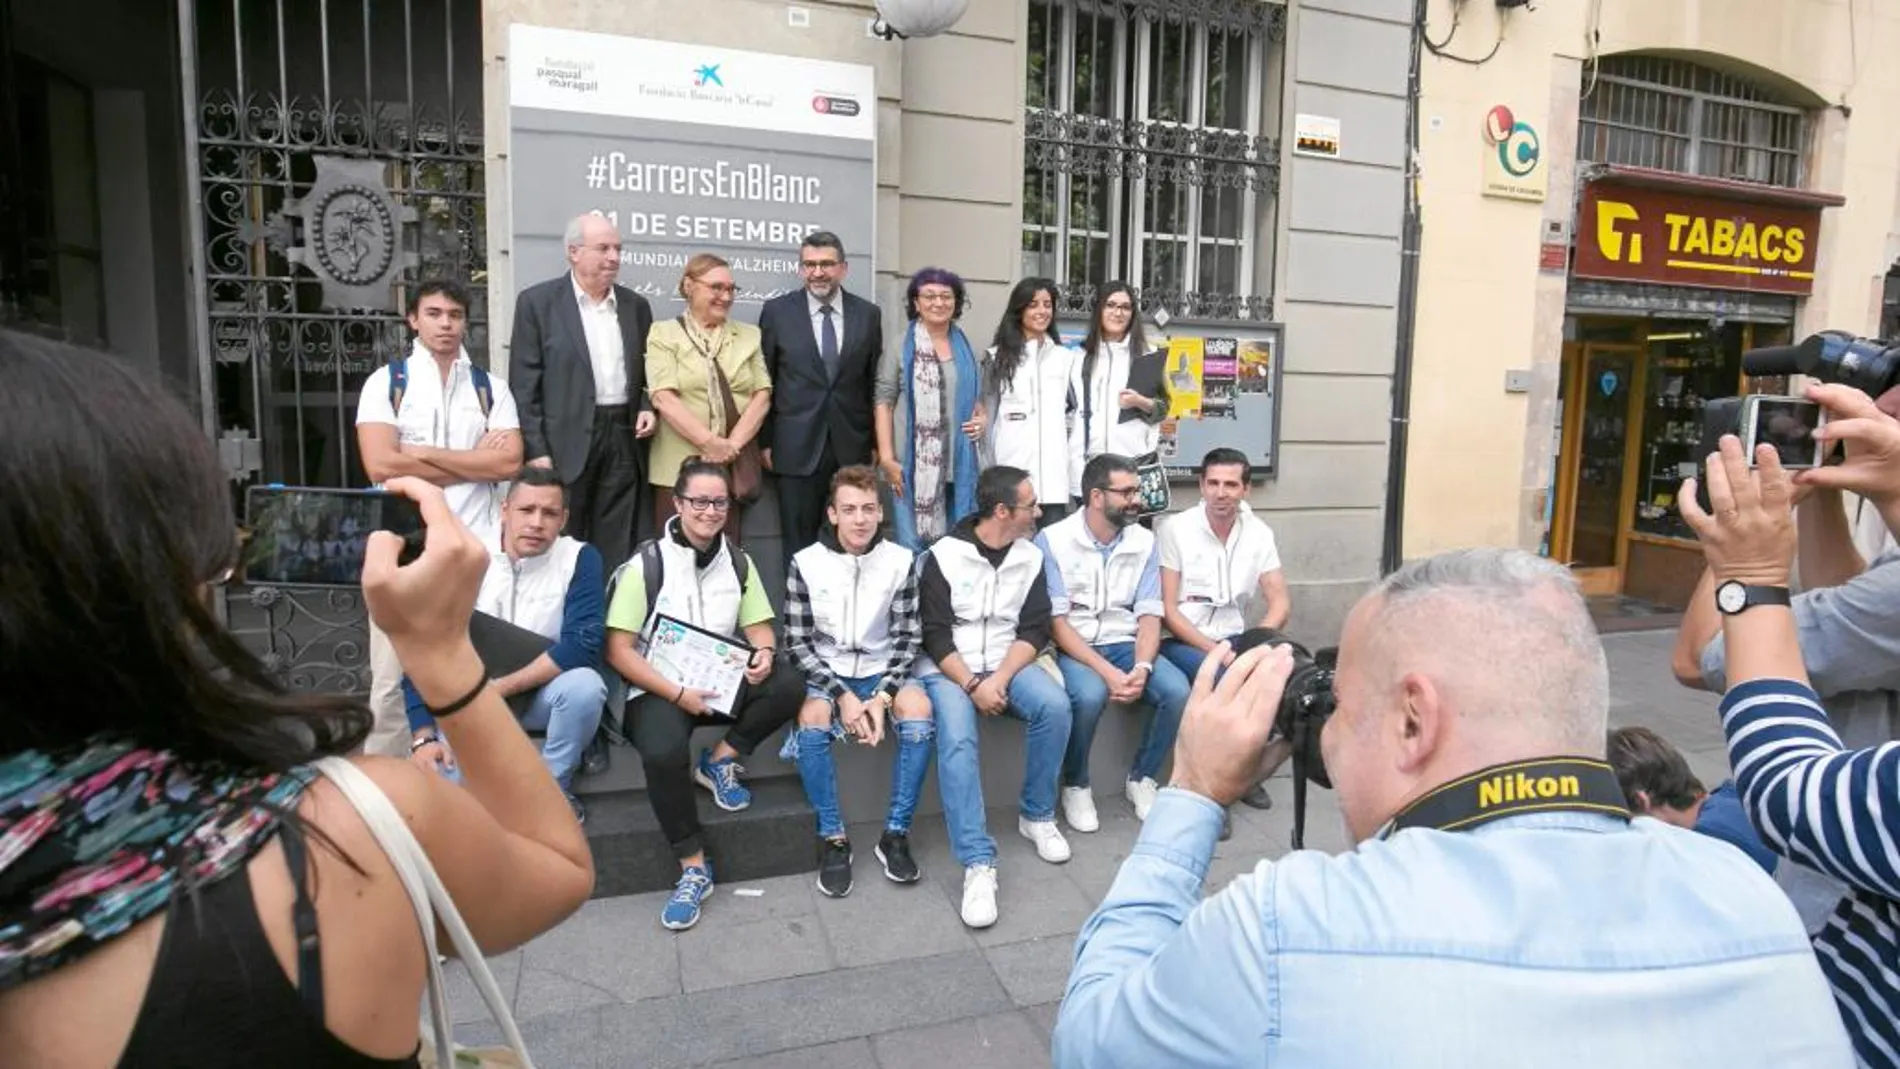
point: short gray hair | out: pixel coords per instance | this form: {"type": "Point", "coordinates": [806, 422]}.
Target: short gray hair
{"type": "Point", "coordinates": [1511, 633]}
{"type": "Point", "coordinates": [576, 231]}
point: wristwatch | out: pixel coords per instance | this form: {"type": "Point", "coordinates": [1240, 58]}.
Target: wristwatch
{"type": "Point", "coordinates": [1143, 666]}
{"type": "Point", "coordinates": [1734, 596]}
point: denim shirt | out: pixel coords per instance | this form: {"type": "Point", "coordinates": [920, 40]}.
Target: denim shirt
{"type": "Point", "coordinates": [1556, 939]}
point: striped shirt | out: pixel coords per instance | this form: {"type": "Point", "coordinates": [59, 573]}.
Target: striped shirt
{"type": "Point", "coordinates": [1838, 811]}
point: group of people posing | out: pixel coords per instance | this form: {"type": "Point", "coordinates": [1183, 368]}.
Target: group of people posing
{"type": "Point", "coordinates": [1013, 573]}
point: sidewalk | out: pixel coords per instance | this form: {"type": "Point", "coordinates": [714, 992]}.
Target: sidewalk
{"type": "Point", "coordinates": [889, 978]}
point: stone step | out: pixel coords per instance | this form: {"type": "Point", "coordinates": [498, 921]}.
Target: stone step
{"type": "Point", "coordinates": [771, 837]}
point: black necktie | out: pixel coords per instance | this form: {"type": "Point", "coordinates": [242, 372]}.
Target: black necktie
{"type": "Point", "coordinates": [828, 341]}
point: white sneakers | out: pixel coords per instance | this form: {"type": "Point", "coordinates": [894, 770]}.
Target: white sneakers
{"type": "Point", "coordinates": [1078, 808]}
{"type": "Point", "coordinates": [1141, 794]}
{"type": "Point", "coordinates": [1050, 845]}
{"type": "Point", "coordinates": [979, 896]}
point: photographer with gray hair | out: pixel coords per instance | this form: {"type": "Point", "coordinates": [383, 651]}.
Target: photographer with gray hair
{"type": "Point", "coordinates": [1500, 901]}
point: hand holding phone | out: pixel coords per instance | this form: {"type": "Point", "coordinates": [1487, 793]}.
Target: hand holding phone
{"type": "Point", "coordinates": [424, 607]}
{"type": "Point", "coordinates": [314, 536]}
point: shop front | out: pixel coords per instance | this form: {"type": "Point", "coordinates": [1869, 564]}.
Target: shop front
{"type": "Point", "coordinates": [1672, 279]}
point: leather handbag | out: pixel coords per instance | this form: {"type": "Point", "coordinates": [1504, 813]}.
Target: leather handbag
{"type": "Point", "coordinates": [432, 904]}
{"type": "Point", "coordinates": [747, 469]}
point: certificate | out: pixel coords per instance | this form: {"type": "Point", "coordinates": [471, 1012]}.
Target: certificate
{"type": "Point", "coordinates": [699, 659]}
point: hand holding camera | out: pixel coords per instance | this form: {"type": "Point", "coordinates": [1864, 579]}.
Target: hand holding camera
{"type": "Point", "coordinates": [1224, 732]}
{"type": "Point", "coordinates": [1748, 533]}
{"type": "Point", "coordinates": [425, 607]}
{"type": "Point", "coordinates": [1871, 467]}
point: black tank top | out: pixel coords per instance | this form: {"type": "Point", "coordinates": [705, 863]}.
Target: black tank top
{"type": "Point", "coordinates": [219, 998]}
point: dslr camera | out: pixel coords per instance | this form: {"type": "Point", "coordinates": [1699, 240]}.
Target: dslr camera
{"type": "Point", "coordinates": [1305, 706]}
{"type": "Point", "coordinates": [1869, 365]}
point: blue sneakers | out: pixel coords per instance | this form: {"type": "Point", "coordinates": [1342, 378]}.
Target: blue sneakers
{"type": "Point", "coordinates": [682, 910]}
{"type": "Point", "coordinates": [722, 779]}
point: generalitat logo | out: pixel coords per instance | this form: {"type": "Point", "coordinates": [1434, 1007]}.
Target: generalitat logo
{"type": "Point", "coordinates": [1517, 143]}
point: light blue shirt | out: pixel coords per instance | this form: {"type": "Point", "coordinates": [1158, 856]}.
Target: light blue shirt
{"type": "Point", "coordinates": [1556, 939]}
{"type": "Point", "coordinates": [1147, 588]}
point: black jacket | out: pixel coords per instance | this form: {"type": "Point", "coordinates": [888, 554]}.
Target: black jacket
{"type": "Point", "coordinates": [552, 375]}
{"type": "Point", "coordinates": [809, 405]}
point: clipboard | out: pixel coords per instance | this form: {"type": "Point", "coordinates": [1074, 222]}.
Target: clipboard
{"type": "Point", "coordinates": [504, 648]}
{"type": "Point", "coordinates": [1145, 375]}
{"type": "Point", "coordinates": [663, 633]}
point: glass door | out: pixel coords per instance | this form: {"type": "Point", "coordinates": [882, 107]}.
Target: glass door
{"type": "Point", "coordinates": [1600, 412]}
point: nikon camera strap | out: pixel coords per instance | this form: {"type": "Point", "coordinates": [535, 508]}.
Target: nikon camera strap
{"type": "Point", "coordinates": [1553, 785]}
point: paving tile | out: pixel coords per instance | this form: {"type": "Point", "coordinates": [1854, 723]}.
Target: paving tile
{"type": "Point", "coordinates": [780, 896]}
{"type": "Point", "coordinates": [851, 1054]}
{"type": "Point", "coordinates": [1001, 1041]}
{"type": "Point", "coordinates": [1034, 971]}
{"type": "Point", "coordinates": [723, 953]}
{"type": "Point", "coordinates": [880, 921]}
{"type": "Point", "coordinates": [1033, 908]}
{"type": "Point", "coordinates": [562, 1041]}
{"type": "Point", "coordinates": [612, 950]}
{"type": "Point", "coordinates": [465, 1002]}
{"type": "Point", "coordinates": [1044, 1017]}
{"type": "Point", "coordinates": [780, 1015]}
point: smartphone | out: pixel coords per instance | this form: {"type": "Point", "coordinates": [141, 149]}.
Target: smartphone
{"type": "Point", "coordinates": [315, 536]}
{"type": "Point", "coordinates": [1788, 424]}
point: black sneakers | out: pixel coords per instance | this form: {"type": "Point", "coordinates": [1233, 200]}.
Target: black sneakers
{"type": "Point", "coordinates": [574, 803]}
{"type": "Point", "coordinates": [893, 849]}
{"type": "Point", "coordinates": [834, 867]}
{"type": "Point", "coordinates": [1258, 798]}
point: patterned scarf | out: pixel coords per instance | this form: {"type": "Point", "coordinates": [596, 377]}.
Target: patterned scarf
{"type": "Point", "coordinates": [95, 841]}
{"type": "Point", "coordinates": [711, 345]}
{"type": "Point", "coordinates": [928, 432]}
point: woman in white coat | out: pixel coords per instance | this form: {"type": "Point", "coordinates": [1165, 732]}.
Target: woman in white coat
{"type": "Point", "coordinates": [1028, 379]}
{"type": "Point", "coordinates": [1110, 417]}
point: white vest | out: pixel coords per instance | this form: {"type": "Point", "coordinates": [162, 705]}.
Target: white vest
{"type": "Point", "coordinates": [1216, 575]}
{"type": "Point", "coordinates": [708, 597]}
{"type": "Point", "coordinates": [987, 602]}
{"type": "Point", "coordinates": [531, 593]}
{"type": "Point", "coordinates": [1030, 427]}
{"type": "Point", "coordinates": [1101, 590]}
{"type": "Point", "coordinates": [851, 598]}
{"type": "Point", "coordinates": [1105, 430]}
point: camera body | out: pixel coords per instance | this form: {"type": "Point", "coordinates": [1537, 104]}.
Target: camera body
{"type": "Point", "coordinates": [1305, 705]}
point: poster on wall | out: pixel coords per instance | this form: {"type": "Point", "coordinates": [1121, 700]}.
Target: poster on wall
{"type": "Point", "coordinates": [1223, 389]}
{"type": "Point", "coordinates": [1184, 377]}
{"type": "Point", "coordinates": [688, 149]}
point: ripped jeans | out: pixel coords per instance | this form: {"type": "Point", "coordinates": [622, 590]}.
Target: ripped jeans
{"type": "Point", "coordinates": [811, 748]}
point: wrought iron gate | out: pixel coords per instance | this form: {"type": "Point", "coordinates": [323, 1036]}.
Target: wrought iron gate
{"type": "Point", "coordinates": [336, 157]}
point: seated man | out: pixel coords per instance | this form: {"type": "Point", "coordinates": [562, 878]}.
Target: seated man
{"type": "Point", "coordinates": [694, 573]}
{"type": "Point", "coordinates": [541, 581]}
{"type": "Point", "coordinates": [1105, 605]}
{"type": "Point", "coordinates": [1657, 783]}
{"type": "Point", "coordinates": [851, 624]}
{"type": "Point", "coordinates": [985, 607]}
{"type": "Point", "coordinates": [1218, 562]}
{"type": "Point", "coordinates": [1500, 907]}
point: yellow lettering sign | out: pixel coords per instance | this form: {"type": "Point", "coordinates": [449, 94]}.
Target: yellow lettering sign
{"type": "Point", "coordinates": [1518, 787]}
{"type": "Point", "coordinates": [1609, 238]}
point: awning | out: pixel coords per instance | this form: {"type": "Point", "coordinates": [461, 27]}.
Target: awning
{"type": "Point", "coordinates": [1730, 189]}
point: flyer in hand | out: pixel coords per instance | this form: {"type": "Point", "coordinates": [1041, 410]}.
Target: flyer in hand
{"type": "Point", "coordinates": [699, 659]}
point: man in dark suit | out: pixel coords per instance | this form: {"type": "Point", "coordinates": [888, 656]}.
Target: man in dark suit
{"type": "Point", "coordinates": [578, 370]}
{"type": "Point", "coordinates": [821, 349]}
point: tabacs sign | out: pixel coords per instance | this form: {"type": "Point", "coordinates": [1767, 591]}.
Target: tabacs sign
{"type": "Point", "coordinates": [1639, 234]}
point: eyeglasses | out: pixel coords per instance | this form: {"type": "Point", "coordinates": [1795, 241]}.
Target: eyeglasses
{"type": "Point", "coordinates": [935, 298]}
{"type": "Point", "coordinates": [1122, 491]}
{"type": "Point", "coordinates": [707, 504]}
{"type": "Point", "coordinates": [820, 265]}
{"type": "Point", "coordinates": [1118, 306]}
{"type": "Point", "coordinates": [723, 289]}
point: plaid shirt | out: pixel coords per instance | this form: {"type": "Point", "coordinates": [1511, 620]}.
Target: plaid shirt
{"type": "Point", "coordinates": [801, 632]}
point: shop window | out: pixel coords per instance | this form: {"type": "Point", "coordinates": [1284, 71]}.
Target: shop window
{"type": "Point", "coordinates": [1150, 154]}
{"type": "Point", "coordinates": [1690, 363]}
{"type": "Point", "coordinates": [1673, 115]}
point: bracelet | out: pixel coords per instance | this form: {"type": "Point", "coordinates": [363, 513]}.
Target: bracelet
{"type": "Point", "coordinates": [461, 703]}
{"type": "Point", "coordinates": [431, 739]}
{"type": "Point", "coordinates": [681, 696]}
{"type": "Point", "coordinates": [970, 687]}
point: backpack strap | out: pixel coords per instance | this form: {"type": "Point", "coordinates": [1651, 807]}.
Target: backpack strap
{"type": "Point", "coordinates": [484, 387]}
{"type": "Point", "coordinates": [653, 572]}
{"type": "Point", "coordinates": [398, 382]}
{"type": "Point", "coordinates": [741, 564]}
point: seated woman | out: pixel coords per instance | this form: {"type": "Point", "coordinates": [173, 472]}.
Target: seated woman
{"type": "Point", "coordinates": [693, 362]}
{"type": "Point", "coordinates": [931, 421]}
{"type": "Point", "coordinates": [177, 885]}
{"type": "Point", "coordinates": [694, 573]}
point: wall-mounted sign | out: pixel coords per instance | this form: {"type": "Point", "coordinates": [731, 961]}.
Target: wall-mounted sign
{"type": "Point", "coordinates": [688, 149]}
{"type": "Point", "coordinates": [1514, 167]}
{"type": "Point", "coordinates": [1316, 135]}
{"type": "Point", "coordinates": [1682, 238]}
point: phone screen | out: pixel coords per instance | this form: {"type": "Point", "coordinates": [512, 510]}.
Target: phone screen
{"type": "Point", "coordinates": [1788, 424]}
{"type": "Point", "coordinates": [316, 537]}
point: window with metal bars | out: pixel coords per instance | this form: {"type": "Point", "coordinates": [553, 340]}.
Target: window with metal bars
{"type": "Point", "coordinates": [1673, 115]}
{"type": "Point", "coordinates": [1151, 154]}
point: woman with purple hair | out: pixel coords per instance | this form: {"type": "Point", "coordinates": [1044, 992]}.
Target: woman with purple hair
{"type": "Point", "coordinates": [930, 419]}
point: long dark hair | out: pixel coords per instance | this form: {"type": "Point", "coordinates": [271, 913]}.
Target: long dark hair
{"type": "Point", "coordinates": [1009, 340]}
{"type": "Point", "coordinates": [114, 515]}
{"type": "Point", "coordinates": [1137, 341]}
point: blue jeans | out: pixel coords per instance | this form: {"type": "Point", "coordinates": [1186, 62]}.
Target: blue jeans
{"type": "Point", "coordinates": [820, 773]}
{"type": "Point", "coordinates": [1185, 657]}
{"type": "Point", "coordinates": [1039, 702]}
{"type": "Point", "coordinates": [1166, 694]}
{"type": "Point", "coordinates": [567, 708]}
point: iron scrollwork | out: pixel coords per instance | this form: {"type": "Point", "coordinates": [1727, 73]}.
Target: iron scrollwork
{"type": "Point", "coordinates": [1268, 16]}
{"type": "Point", "coordinates": [1078, 300]}
{"type": "Point", "coordinates": [315, 639]}
{"type": "Point", "coordinates": [352, 233]}
{"type": "Point", "coordinates": [1067, 143]}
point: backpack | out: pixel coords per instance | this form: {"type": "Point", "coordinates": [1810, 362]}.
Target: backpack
{"type": "Point", "coordinates": [399, 384]}
{"type": "Point", "coordinates": [653, 572]}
